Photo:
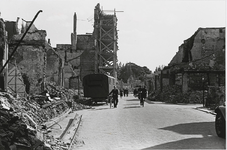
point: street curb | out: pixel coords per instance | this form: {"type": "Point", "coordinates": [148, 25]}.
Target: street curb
{"type": "Point", "coordinates": [57, 119]}
{"type": "Point", "coordinates": [203, 109]}
{"type": "Point", "coordinates": [206, 110]}
{"type": "Point", "coordinates": [153, 102]}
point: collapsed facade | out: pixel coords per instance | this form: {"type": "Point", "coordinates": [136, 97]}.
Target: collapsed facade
{"type": "Point", "coordinates": [198, 64]}
{"type": "Point", "coordinates": [30, 100]}
{"type": "Point", "coordinates": [30, 66]}
{"type": "Point", "coordinates": [77, 58]}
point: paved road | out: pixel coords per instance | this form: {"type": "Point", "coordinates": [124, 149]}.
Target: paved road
{"type": "Point", "coordinates": [155, 126]}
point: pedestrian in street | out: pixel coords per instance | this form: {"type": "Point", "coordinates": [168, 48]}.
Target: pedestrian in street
{"type": "Point", "coordinates": [126, 92]}
{"type": "Point", "coordinates": [135, 92]}
{"type": "Point", "coordinates": [139, 92]}
{"type": "Point", "coordinates": [121, 93]}
{"type": "Point", "coordinates": [144, 92]}
{"type": "Point", "coordinates": [114, 93]}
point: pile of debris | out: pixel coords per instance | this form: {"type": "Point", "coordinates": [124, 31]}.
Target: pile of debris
{"type": "Point", "coordinates": [215, 96]}
{"type": "Point", "coordinates": [70, 96]}
{"type": "Point", "coordinates": [14, 132]}
{"type": "Point", "coordinates": [173, 94]}
{"type": "Point", "coordinates": [22, 119]}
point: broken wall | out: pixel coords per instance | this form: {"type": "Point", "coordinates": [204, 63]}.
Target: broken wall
{"type": "Point", "coordinates": [53, 66]}
{"type": "Point", "coordinates": [201, 55]}
{"type": "Point", "coordinates": [178, 57]}
{"type": "Point", "coordinates": [87, 59]}
{"type": "Point", "coordinates": [30, 62]}
{"type": "Point", "coordinates": [204, 42]}
{"type": "Point", "coordinates": [3, 54]}
{"type": "Point", "coordinates": [207, 41]}
{"type": "Point", "coordinates": [29, 57]}
{"type": "Point", "coordinates": [71, 59]}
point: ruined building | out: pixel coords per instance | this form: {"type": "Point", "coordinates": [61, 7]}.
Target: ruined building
{"type": "Point", "coordinates": [29, 67]}
{"type": "Point", "coordinates": [77, 58]}
{"type": "Point", "coordinates": [199, 62]}
{"type": "Point", "coordinates": [36, 62]}
{"type": "Point", "coordinates": [91, 52]}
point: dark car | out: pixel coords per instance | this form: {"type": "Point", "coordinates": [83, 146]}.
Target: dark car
{"type": "Point", "coordinates": [220, 121]}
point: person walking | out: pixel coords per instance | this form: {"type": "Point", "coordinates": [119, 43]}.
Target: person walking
{"type": "Point", "coordinates": [143, 95]}
{"type": "Point", "coordinates": [135, 92]}
{"type": "Point", "coordinates": [139, 92]}
{"type": "Point", "coordinates": [121, 93]}
{"type": "Point", "coordinates": [127, 92]}
{"type": "Point", "coordinates": [144, 92]}
{"type": "Point", "coordinates": [114, 93]}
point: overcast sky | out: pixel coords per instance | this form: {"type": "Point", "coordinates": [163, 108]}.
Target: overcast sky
{"type": "Point", "coordinates": [150, 31]}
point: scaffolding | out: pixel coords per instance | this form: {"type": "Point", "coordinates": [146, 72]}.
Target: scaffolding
{"type": "Point", "coordinates": [105, 32]}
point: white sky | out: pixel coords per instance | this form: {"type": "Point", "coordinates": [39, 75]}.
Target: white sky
{"type": "Point", "coordinates": [150, 31]}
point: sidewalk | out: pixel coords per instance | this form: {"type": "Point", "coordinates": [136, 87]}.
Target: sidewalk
{"type": "Point", "coordinates": [204, 109]}
{"type": "Point", "coordinates": [207, 110]}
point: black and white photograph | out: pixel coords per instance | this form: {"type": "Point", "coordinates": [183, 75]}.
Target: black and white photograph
{"type": "Point", "coordinates": [112, 74]}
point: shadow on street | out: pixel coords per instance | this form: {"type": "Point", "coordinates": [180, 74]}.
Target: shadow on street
{"type": "Point", "coordinates": [206, 129]}
{"type": "Point", "coordinates": [132, 104]}
{"type": "Point", "coordinates": [138, 106]}
{"type": "Point", "coordinates": [132, 100]}
{"type": "Point", "coordinates": [100, 109]}
{"type": "Point", "coordinates": [192, 143]}
{"type": "Point", "coordinates": [199, 128]}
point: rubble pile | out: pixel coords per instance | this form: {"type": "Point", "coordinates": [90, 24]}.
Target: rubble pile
{"type": "Point", "coordinates": [173, 94]}
{"type": "Point", "coordinates": [59, 91]}
{"type": "Point", "coordinates": [70, 96]}
{"type": "Point", "coordinates": [215, 96]}
{"type": "Point", "coordinates": [21, 119]}
{"type": "Point", "coordinates": [15, 134]}
{"type": "Point", "coordinates": [35, 110]}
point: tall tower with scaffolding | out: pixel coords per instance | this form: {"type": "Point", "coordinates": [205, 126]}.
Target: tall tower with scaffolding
{"type": "Point", "coordinates": [106, 46]}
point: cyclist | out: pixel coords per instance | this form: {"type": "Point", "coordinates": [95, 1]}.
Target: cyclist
{"type": "Point", "coordinates": [140, 94]}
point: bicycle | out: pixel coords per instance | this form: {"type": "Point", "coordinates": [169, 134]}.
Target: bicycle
{"type": "Point", "coordinates": [110, 100]}
{"type": "Point", "coordinates": [142, 102]}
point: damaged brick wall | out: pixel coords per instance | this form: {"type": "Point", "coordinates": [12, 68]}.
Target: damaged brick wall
{"type": "Point", "coordinates": [53, 66]}
{"type": "Point", "coordinates": [87, 59]}
{"type": "Point", "coordinates": [29, 57]}
{"type": "Point", "coordinates": [30, 62]}
{"type": "Point", "coordinates": [207, 41]}
{"type": "Point", "coordinates": [179, 56]}
{"type": "Point", "coordinates": [202, 43]}
{"type": "Point", "coordinates": [200, 56]}
{"type": "Point", "coordinates": [71, 59]}
{"type": "Point", "coordinates": [87, 63]}
{"type": "Point", "coordinates": [79, 62]}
